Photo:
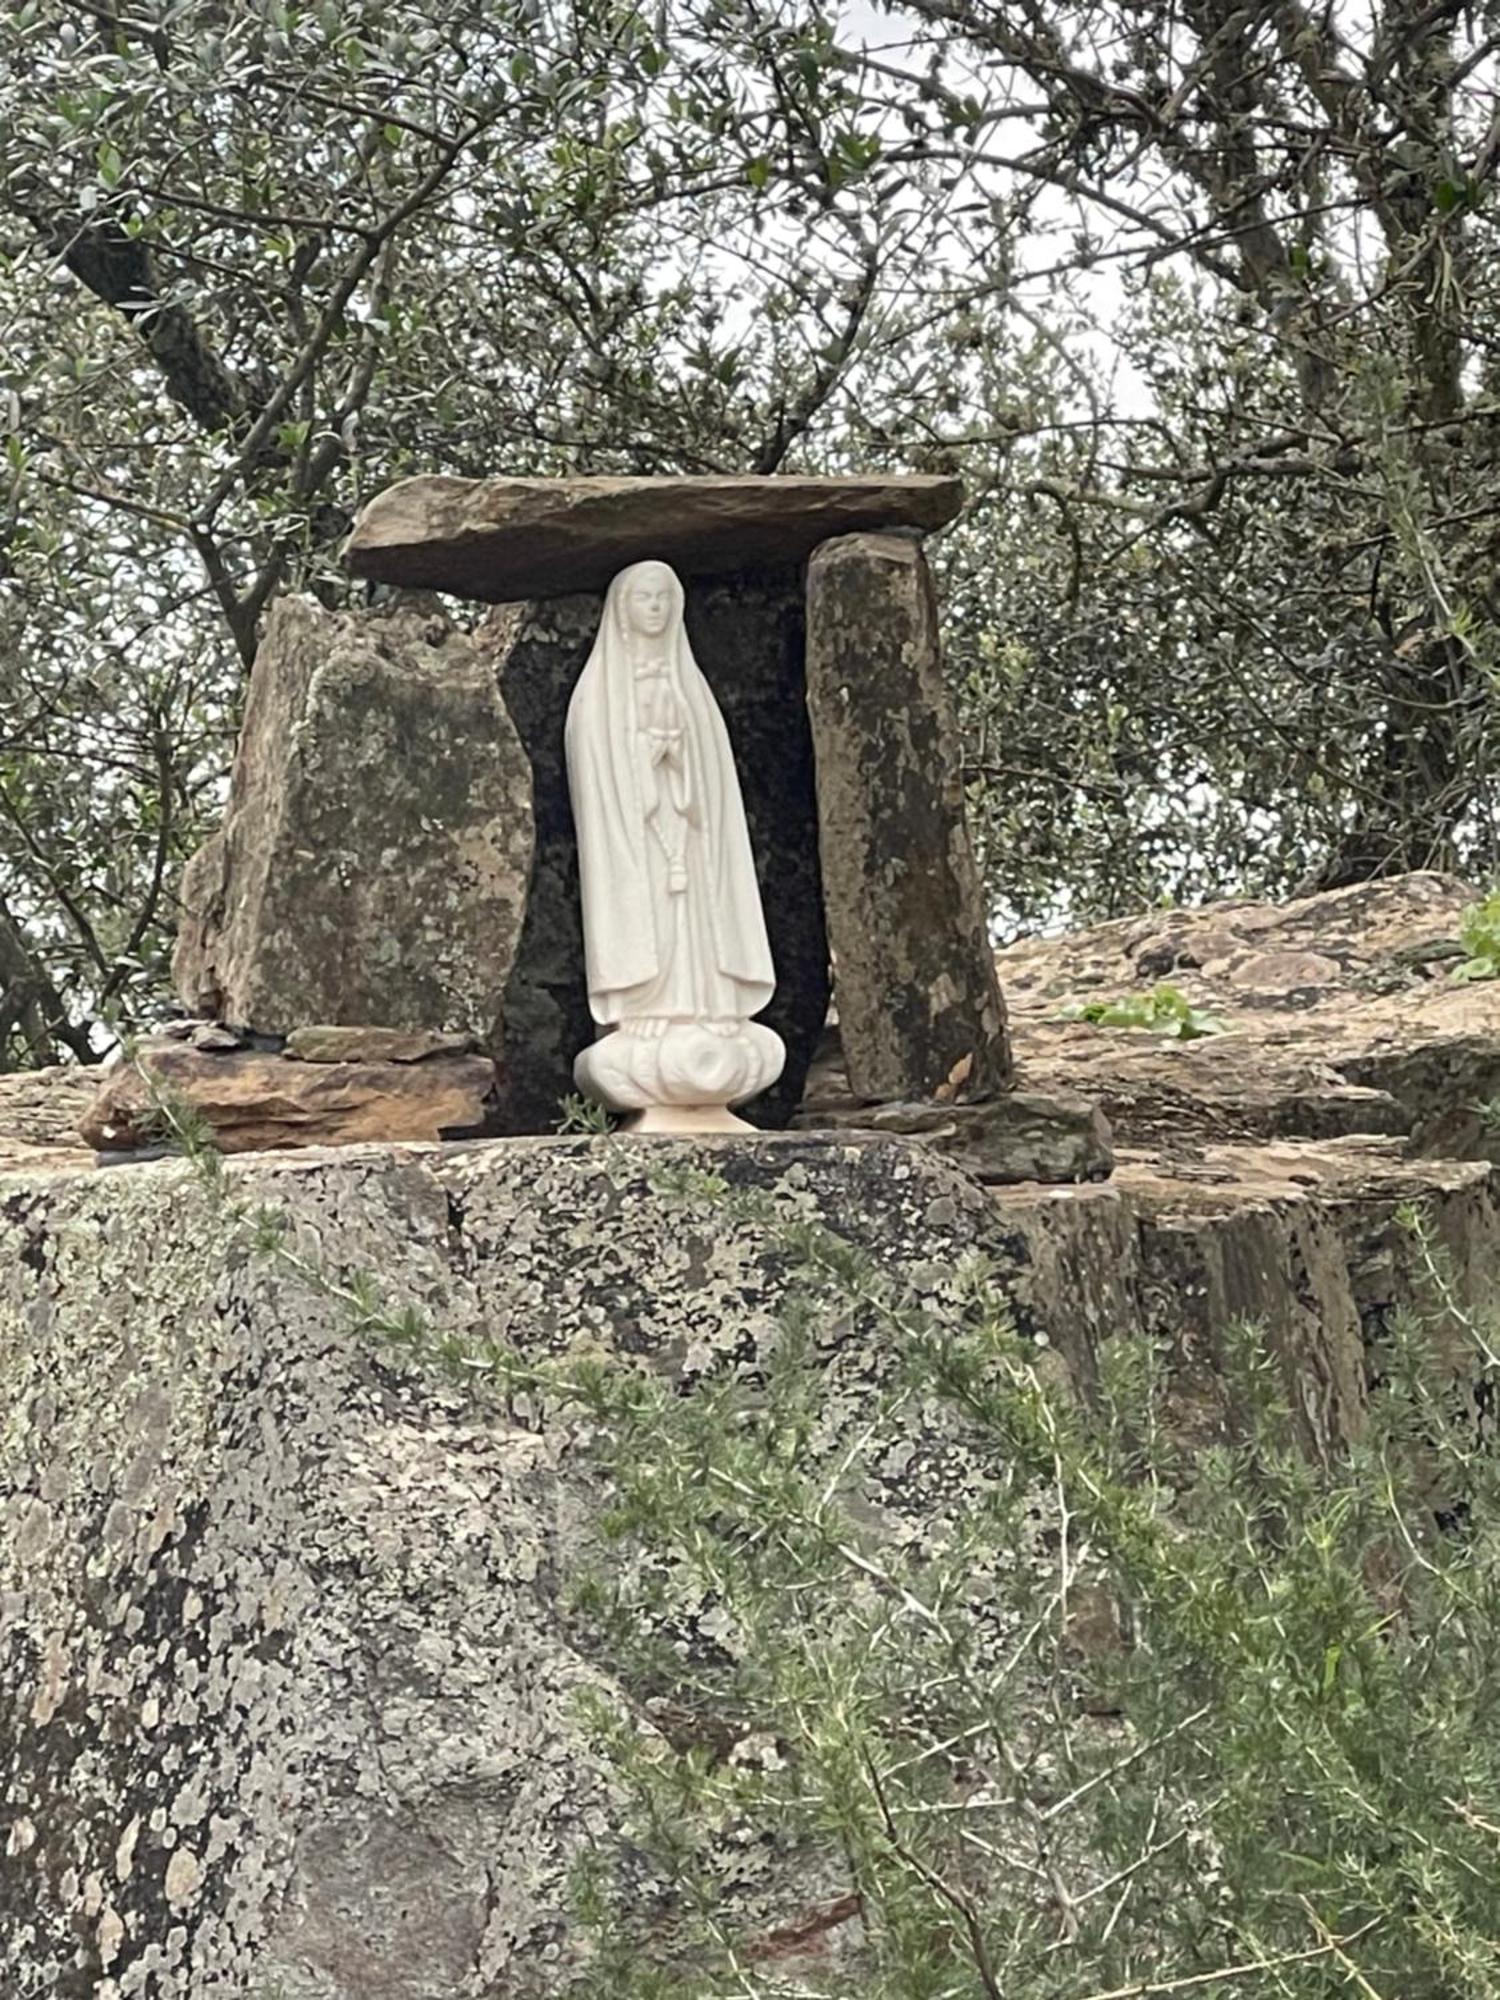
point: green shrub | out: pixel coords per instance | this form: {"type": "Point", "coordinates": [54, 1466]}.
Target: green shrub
{"type": "Point", "coordinates": [1479, 934]}
{"type": "Point", "coordinates": [1164, 1010]}
{"type": "Point", "coordinates": [1131, 1717]}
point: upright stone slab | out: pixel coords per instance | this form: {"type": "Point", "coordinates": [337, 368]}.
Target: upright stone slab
{"type": "Point", "coordinates": [919, 1005]}
{"type": "Point", "coordinates": [747, 634]}
{"type": "Point", "coordinates": [373, 862]}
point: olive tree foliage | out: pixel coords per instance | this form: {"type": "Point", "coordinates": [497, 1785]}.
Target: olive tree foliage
{"type": "Point", "coordinates": [1199, 298]}
{"type": "Point", "coordinates": [1248, 635]}
{"type": "Point", "coordinates": [1223, 609]}
{"type": "Point", "coordinates": [262, 259]}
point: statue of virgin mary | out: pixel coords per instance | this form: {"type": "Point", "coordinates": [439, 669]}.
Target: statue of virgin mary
{"type": "Point", "coordinates": [674, 934]}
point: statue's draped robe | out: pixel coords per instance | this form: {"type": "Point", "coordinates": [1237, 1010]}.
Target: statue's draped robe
{"type": "Point", "coordinates": [653, 781]}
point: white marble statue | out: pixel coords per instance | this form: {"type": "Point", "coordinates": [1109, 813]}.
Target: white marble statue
{"type": "Point", "coordinates": [674, 936]}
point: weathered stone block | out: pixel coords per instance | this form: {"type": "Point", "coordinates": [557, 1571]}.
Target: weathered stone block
{"type": "Point", "coordinates": [372, 865]}
{"type": "Point", "coordinates": [255, 1102]}
{"type": "Point", "coordinates": [914, 976]}
{"type": "Point", "coordinates": [505, 539]}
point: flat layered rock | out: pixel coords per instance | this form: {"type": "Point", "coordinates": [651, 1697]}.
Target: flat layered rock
{"type": "Point", "coordinates": [1020, 1135]}
{"type": "Point", "coordinates": [254, 1102]}
{"type": "Point", "coordinates": [506, 539]}
{"type": "Point", "coordinates": [386, 1045]}
{"type": "Point", "coordinates": [42, 1107]}
{"type": "Point", "coordinates": [1340, 1014]}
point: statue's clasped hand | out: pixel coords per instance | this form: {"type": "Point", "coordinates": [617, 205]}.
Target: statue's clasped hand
{"type": "Point", "coordinates": [666, 746]}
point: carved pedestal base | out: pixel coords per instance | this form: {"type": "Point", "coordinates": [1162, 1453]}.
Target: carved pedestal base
{"type": "Point", "coordinates": [685, 1121]}
{"type": "Point", "coordinates": [680, 1067]}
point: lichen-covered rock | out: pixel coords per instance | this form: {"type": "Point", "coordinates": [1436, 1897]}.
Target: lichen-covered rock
{"type": "Point", "coordinates": [1020, 1135]}
{"type": "Point", "coordinates": [919, 1005]}
{"type": "Point", "coordinates": [254, 1102]}
{"type": "Point", "coordinates": [373, 861]}
{"type": "Point", "coordinates": [747, 636]}
{"type": "Point", "coordinates": [288, 1674]}
{"type": "Point", "coordinates": [287, 1678]}
{"type": "Point", "coordinates": [284, 1708]}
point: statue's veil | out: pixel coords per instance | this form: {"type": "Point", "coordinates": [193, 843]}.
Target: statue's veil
{"type": "Point", "coordinates": [620, 925]}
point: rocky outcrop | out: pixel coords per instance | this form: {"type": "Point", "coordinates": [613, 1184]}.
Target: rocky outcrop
{"type": "Point", "coordinates": [919, 1006]}
{"type": "Point", "coordinates": [288, 1669]}
{"type": "Point", "coordinates": [253, 1101]}
{"type": "Point", "coordinates": [1340, 1016]}
{"type": "Point", "coordinates": [288, 1674]}
{"type": "Point", "coordinates": [506, 539]}
{"type": "Point", "coordinates": [1268, 1172]}
{"type": "Point", "coordinates": [373, 861]}
{"type": "Point", "coordinates": [40, 1110]}
{"type": "Point", "coordinates": [288, 1680]}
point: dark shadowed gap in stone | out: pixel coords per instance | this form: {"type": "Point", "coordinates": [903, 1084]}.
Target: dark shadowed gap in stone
{"type": "Point", "coordinates": [747, 633]}
{"type": "Point", "coordinates": [545, 1018]}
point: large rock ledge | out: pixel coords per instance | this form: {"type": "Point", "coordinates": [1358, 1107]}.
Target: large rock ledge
{"type": "Point", "coordinates": [286, 1683]}
{"type": "Point", "coordinates": [286, 1680]}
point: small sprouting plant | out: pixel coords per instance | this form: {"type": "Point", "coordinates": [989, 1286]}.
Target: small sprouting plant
{"type": "Point", "coordinates": [176, 1123]}
{"type": "Point", "coordinates": [581, 1114]}
{"type": "Point", "coordinates": [1165, 1010]}
{"type": "Point", "coordinates": [1479, 934]}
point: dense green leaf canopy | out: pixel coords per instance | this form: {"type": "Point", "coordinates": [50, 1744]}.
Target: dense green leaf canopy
{"type": "Point", "coordinates": [1201, 299]}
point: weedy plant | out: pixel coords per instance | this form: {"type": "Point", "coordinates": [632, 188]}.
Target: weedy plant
{"type": "Point", "coordinates": [1479, 934]}
{"type": "Point", "coordinates": [1165, 1011]}
{"type": "Point", "coordinates": [1135, 1717]}
{"type": "Point", "coordinates": [582, 1116]}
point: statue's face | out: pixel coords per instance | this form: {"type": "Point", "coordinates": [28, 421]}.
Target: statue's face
{"type": "Point", "coordinates": [648, 603]}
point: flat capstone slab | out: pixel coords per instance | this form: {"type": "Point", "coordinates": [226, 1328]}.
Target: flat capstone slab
{"type": "Point", "coordinates": [502, 540]}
